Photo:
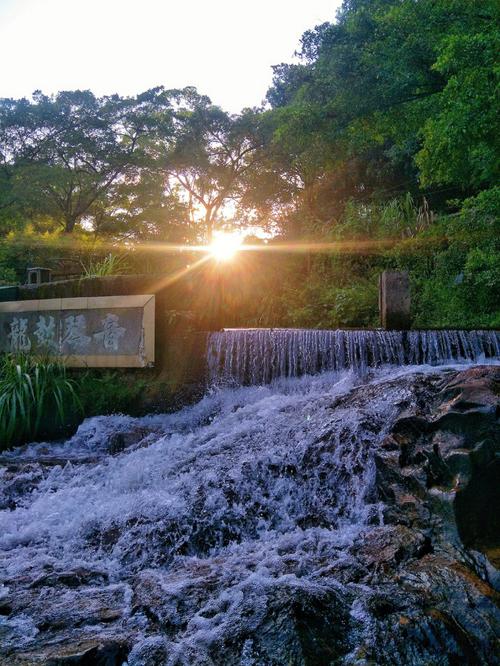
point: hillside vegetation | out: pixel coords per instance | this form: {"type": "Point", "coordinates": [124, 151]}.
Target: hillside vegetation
{"type": "Point", "coordinates": [380, 142]}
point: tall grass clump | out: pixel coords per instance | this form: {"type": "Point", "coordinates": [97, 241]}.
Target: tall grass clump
{"type": "Point", "coordinates": [111, 264]}
{"type": "Point", "coordinates": [37, 399]}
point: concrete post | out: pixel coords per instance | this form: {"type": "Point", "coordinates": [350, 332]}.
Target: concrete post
{"type": "Point", "coordinates": [394, 300]}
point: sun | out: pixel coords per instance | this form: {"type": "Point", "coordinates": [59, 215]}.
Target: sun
{"type": "Point", "coordinates": [224, 246]}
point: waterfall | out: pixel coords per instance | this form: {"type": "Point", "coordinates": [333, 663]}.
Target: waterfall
{"type": "Point", "coordinates": [262, 525]}
{"type": "Point", "coordinates": [258, 356]}
{"type": "Point", "coordinates": [247, 488]}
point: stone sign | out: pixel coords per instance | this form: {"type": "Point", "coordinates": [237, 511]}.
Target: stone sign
{"type": "Point", "coordinates": [106, 331]}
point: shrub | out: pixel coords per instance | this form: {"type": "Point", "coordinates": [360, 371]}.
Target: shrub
{"type": "Point", "coordinates": [64, 253]}
{"type": "Point", "coordinates": [37, 399]}
{"type": "Point", "coordinates": [110, 392]}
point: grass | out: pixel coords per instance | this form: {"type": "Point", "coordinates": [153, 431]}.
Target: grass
{"type": "Point", "coordinates": [41, 400]}
{"type": "Point", "coordinates": [37, 399]}
{"type": "Point", "coordinates": [112, 264]}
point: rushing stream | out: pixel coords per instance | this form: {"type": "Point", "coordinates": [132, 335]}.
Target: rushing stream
{"type": "Point", "coordinates": [225, 533]}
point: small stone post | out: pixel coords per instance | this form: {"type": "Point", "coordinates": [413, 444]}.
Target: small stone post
{"type": "Point", "coordinates": [38, 275]}
{"type": "Point", "coordinates": [394, 300]}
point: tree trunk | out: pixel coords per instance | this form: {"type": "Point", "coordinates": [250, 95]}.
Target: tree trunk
{"type": "Point", "coordinates": [69, 223]}
{"type": "Point", "coordinates": [209, 224]}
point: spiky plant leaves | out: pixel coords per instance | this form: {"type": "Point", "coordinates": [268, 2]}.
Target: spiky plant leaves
{"type": "Point", "coordinates": [36, 398]}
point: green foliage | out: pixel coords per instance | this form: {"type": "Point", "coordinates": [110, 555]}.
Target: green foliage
{"type": "Point", "coordinates": [382, 139]}
{"type": "Point", "coordinates": [453, 261]}
{"type": "Point", "coordinates": [388, 131]}
{"type": "Point", "coordinates": [330, 306]}
{"type": "Point", "coordinates": [8, 275]}
{"type": "Point", "coordinates": [396, 218]}
{"type": "Point", "coordinates": [458, 285]}
{"type": "Point", "coordinates": [40, 398]}
{"type": "Point", "coordinates": [109, 392]}
{"type": "Point", "coordinates": [394, 96]}
{"type": "Point", "coordinates": [128, 167]}
{"type": "Point", "coordinates": [34, 246]}
{"type": "Point", "coordinates": [461, 141]}
{"type": "Point", "coordinates": [64, 155]}
{"type": "Point", "coordinates": [112, 264]}
{"type": "Point", "coordinates": [37, 399]}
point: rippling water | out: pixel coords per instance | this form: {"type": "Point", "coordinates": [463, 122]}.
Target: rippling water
{"type": "Point", "coordinates": [212, 514]}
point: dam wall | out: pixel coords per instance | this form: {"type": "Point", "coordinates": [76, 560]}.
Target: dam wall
{"type": "Point", "coordinates": [191, 347]}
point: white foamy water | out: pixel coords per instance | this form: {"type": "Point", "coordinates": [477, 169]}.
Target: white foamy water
{"type": "Point", "coordinates": [257, 356]}
{"type": "Point", "coordinates": [249, 494]}
{"type": "Point", "coordinates": [246, 442]}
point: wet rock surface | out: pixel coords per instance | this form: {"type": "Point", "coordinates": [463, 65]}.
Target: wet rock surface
{"type": "Point", "coordinates": [323, 522]}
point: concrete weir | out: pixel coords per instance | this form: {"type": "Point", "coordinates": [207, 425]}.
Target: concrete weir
{"type": "Point", "coordinates": [191, 347]}
{"type": "Point", "coordinates": [258, 356]}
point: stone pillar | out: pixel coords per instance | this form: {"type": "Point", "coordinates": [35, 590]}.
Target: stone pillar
{"type": "Point", "coordinates": [394, 300]}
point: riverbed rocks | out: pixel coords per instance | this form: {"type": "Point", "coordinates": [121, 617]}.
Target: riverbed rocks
{"type": "Point", "coordinates": [412, 583]}
{"type": "Point", "coordinates": [446, 460]}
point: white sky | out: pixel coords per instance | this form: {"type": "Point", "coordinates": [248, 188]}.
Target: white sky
{"type": "Point", "coordinates": [223, 47]}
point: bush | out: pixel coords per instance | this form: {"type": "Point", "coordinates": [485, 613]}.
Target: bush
{"type": "Point", "coordinates": [41, 399]}
{"type": "Point", "coordinates": [338, 292]}
{"type": "Point", "coordinates": [457, 283]}
{"type": "Point", "coordinates": [110, 392]}
{"type": "Point", "coordinates": [60, 252]}
{"type": "Point", "coordinates": [37, 399]}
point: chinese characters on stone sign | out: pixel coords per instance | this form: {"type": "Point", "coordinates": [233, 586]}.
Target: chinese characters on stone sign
{"type": "Point", "coordinates": [45, 332]}
{"type": "Point", "coordinates": [93, 331]}
{"type": "Point", "coordinates": [18, 336]}
{"type": "Point", "coordinates": [111, 333]}
{"type": "Point", "coordinates": [72, 335]}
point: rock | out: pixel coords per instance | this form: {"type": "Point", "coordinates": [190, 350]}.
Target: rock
{"type": "Point", "coordinates": [73, 578]}
{"type": "Point", "coordinates": [455, 449]}
{"type": "Point", "coordinates": [81, 653]}
{"type": "Point", "coordinates": [387, 547]}
{"type": "Point", "coordinates": [477, 510]}
{"type": "Point", "coordinates": [152, 651]}
{"type": "Point", "coordinates": [119, 441]}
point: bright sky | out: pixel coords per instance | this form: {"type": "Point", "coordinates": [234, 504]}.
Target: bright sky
{"type": "Point", "coordinates": [223, 47]}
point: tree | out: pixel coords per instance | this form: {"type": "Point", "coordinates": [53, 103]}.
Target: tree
{"type": "Point", "coordinates": [461, 140]}
{"type": "Point", "coordinates": [396, 96]}
{"type": "Point", "coordinates": [206, 164]}
{"type": "Point", "coordinates": [65, 153]}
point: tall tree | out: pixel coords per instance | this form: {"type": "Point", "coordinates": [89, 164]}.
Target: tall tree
{"type": "Point", "coordinates": [395, 96]}
{"type": "Point", "coordinates": [66, 152]}
{"type": "Point", "coordinates": [207, 163]}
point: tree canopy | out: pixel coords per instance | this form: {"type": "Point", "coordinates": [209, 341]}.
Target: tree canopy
{"type": "Point", "coordinates": [384, 127]}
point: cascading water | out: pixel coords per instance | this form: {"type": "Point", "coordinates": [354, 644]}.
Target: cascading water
{"type": "Point", "coordinates": [258, 356]}
{"type": "Point", "coordinates": [247, 490]}
{"type": "Point", "coordinates": [246, 530]}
